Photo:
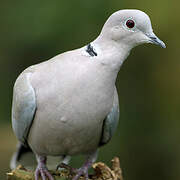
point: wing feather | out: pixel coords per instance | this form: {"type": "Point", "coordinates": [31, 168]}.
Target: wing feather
{"type": "Point", "coordinates": [111, 121]}
{"type": "Point", "coordinates": [23, 106]}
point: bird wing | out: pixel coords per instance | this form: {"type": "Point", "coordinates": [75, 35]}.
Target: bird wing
{"type": "Point", "coordinates": [23, 106]}
{"type": "Point", "coordinates": [111, 121]}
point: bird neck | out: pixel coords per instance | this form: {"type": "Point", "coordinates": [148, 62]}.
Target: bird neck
{"type": "Point", "coordinates": [110, 52]}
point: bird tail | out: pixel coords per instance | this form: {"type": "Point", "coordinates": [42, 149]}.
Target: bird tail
{"type": "Point", "coordinates": [23, 156]}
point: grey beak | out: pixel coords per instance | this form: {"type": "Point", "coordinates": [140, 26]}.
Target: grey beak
{"type": "Point", "coordinates": [155, 40]}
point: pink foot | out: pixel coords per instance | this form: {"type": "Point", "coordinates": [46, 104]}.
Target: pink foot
{"type": "Point", "coordinates": [66, 166]}
{"type": "Point", "coordinates": [82, 171]}
{"type": "Point", "coordinates": [42, 170]}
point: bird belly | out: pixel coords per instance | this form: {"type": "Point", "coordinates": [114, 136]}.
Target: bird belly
{"type": "Point", "coordinates": [71, 108]}
{"type": "Point", "coordinates": [72, 126]}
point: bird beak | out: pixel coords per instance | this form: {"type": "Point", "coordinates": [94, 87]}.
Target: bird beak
{"type": "Point", "coordinates": [155, 40]}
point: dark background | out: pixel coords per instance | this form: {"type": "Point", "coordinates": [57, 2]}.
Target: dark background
{"type": "Point", "coordinates": [147, 139]}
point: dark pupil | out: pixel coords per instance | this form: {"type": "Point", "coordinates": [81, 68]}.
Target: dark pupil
{"type": "Point", "coordinates": [130, 23]}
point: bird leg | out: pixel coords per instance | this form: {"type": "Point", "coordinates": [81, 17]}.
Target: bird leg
{"type": "Point", "coordinates": [91, 158]}
{"type": "Point", "coordinates": [41, 169]}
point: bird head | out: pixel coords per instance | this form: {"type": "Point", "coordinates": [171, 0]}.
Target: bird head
{"type": "Point", "coordinates": [130, 28]}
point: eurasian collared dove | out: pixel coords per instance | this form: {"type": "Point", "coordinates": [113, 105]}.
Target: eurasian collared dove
{"type": "Point", "coordinates": [69, 105]}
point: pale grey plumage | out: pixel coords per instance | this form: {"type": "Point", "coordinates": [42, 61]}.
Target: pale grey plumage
{"type": "Point", "coordinates": [80, 102]}
{"type": "Point", "coordinates": [23, 107]}
{"type": "Point", "coordinates": [69, 104]}
{"type": "Point", "coordinates": [111, 121]}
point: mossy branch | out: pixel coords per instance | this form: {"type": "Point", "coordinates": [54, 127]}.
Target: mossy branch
{"type": "Point", "coordinates": [101, 172]}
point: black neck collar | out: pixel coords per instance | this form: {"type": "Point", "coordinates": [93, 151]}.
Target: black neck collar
{"type": "Point", "coordinates": [90, 50]}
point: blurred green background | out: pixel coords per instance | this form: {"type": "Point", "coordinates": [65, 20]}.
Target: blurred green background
{"type": "Point", "coordinates": [147, 140]}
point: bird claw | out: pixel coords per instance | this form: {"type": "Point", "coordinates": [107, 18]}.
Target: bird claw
{"type": "Point", "coordinates": [44, 173]}
{"type": "Point", "coordinates": [81, 171]}
{"type": "Point", "coordinates": [69, 168]}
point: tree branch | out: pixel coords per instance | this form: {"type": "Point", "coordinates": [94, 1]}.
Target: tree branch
{"type": "Point", "coordinates": [101, 171]}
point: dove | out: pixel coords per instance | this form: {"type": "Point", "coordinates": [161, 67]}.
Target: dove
{"type": "Point", "coordinates": [69, 105]}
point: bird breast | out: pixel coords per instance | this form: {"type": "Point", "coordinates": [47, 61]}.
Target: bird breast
{"type": "Point", "coordinates": [72, 102]}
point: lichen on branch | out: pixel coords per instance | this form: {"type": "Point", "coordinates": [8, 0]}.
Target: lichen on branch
{"type": "Point", "coordinates": [101, 172]}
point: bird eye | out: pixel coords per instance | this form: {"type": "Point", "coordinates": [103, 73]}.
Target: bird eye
{"type": "Point", "coordinates": [130, 23]}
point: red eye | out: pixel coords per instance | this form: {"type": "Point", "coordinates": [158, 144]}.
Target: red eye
{"type": "Point", "coordinates": [130, 23]}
